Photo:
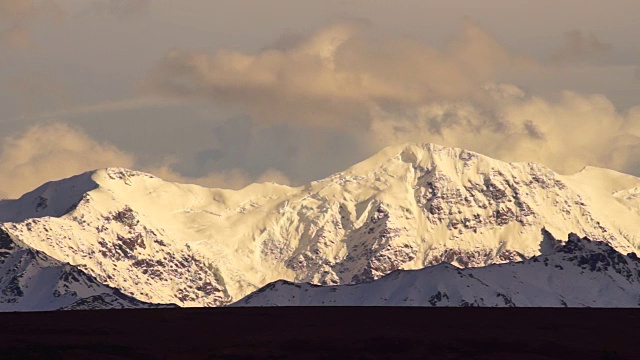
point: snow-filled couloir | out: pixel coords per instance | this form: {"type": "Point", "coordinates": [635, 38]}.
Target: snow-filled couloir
{"type": "Point", "coordinates": [407, 207]}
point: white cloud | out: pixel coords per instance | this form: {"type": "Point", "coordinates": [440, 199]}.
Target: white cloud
{"type": "Point", "coordinates": [334, 76]}
{"type": "Point", "coordinates": [48, 152]}
{"type": "Point", "coordinates": [55, 151]}
{"type": "Point", "coordinates": [395, 89]}
{"type": "Point", "coordinates": [567, 134]}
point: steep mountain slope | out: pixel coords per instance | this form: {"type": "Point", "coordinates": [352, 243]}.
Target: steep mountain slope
{"type": "Point", "coordinates": [31, 280]}
{"type": "Point", "coordinates": [580, 273]}
{"type": "Point", "coordinates": [406, 207]}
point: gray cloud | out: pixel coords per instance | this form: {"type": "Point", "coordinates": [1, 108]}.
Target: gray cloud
{"type": "Point", "coordinates": [17, 17]}
{"type": "Point", "coordinates": [533, 130]}
{"type": "Point", "coordinates": [37, 90]}
{"type": "Point", "coordinates": [120, 8]}
{"type": "Point", "coordinates": [16, 10]}
{"type": "Point", "coordinates": [15, 37]}
{"type": "Point", "coordinates": [303, 153]}
{"type": "Point", "coordinates": [579, 46]}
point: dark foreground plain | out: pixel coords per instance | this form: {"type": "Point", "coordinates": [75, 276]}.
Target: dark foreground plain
{"type": "Point", "coordinates": [323, 333]}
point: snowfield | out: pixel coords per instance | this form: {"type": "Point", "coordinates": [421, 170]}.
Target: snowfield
{"type": "Point", "coordinates": [407, 207]}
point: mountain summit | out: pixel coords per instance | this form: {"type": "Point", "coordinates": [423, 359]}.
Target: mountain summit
{"type": "Point", "coordinates": [406, 207]}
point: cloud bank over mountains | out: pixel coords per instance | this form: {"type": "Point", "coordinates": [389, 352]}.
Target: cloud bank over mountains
{"type": "Point", "coordinates": [56, 150]}
{"type": "Point", "coordinates": [304, 105]}
{"type": "Point", "coordinates": [398, 90]}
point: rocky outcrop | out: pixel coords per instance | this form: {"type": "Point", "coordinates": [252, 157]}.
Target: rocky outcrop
{"type": "Point", "coordinates": [30, 280]}
{"type": "Point", "coordinates": [580, 273]}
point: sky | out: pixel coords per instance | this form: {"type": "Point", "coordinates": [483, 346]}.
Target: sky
{"type": "Point", "coordinates": [226, 93]}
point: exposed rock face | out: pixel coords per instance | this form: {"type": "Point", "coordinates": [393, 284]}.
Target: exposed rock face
{"type": "Point", "coordinates": [430, 204]}
{"type": "Point", "coordinates": [407, 207]}
{"type": "Point", "coordinates": [32, 281]}
{"type": "Point", "coordinates": [128, 255]}
{"type": "Point", "coordinates": [581, 273]}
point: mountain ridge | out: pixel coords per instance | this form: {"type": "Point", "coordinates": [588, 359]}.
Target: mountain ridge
{"type": "Point", "coordinates": [580, 273]}
{"type": "Point", "coordinates": [406, 207]}
{"type": "Point", "coordinates": [31, 280]}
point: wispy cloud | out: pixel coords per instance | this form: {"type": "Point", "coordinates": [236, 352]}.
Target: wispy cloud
{"type": "Point", "coordinates": [105, 107]}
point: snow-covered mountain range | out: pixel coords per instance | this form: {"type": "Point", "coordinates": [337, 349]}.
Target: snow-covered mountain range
{"type": "Point", "coordinates": [580, 273]}
{"type": "Point", "coordinates": [407, 207]}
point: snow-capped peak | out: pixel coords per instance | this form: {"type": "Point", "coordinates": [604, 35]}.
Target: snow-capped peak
{"type": "Point", "coordinates": [406, 207]}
